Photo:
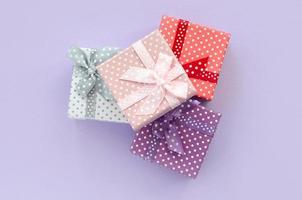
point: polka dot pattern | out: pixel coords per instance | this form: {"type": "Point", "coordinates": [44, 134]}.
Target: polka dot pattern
{"type": "Point", "coordinates": [194, 142]}
{"type": "Point", "coordinates": [199, 42]}
{"type": "Point", "coordinates": [112, 70]}
{"type": "Point", "coordinates": [197, 70]}
{"type": "Point", "coordinates": [180, 37]}
{"type": "Point", "coordinates": [92, 105]}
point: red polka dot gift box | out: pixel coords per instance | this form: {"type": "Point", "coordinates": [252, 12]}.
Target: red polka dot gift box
{"type": "Point", "coordinates": [146, 80]}
{"type": "Point", "coordinates": [200, 50]}
{"type": "Point", "coordinates": [179, 140]}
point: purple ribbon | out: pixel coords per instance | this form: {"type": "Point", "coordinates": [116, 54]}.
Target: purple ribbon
{"type": "Point", "coordinates": [168, 126]}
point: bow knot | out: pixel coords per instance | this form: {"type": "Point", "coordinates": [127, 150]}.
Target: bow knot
{"type": "Point", "coordinates": [92, 70]}
{"type": "Point", "coordinates": [85, 62]}
{"type": "Point", "coordinates": [167, 127]}
{"type": "Point", "coordinates": [159, 79]}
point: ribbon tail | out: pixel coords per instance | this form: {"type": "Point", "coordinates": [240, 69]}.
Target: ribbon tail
{"type": "Point", "coordinates": [155, 97]}
{"type": "Point", "coordinates": [163, 64]}
{"type": "Point", "coordinates": [101, 88]}
{"type": "Point", "coordinates": [85, 85]}
{"type": "Point", "coordinates": [158, 125]}
{"type": "Point", "coordinates": [175, 72]}
{"type": "Point", "coordinates": [139, 75]}
{"type": "Point", "coordinates": [172, 101]}
{"type": "Point", "coordinates": [91, 100]}
{"type": "Point", "coordinates": [178, 89]}
{"type": "Point", "coordinates": [133, 98]}
{"type": "Point", "coordinates": [175, 89]}
{"type": "Point", "coordinates": [173, 139]}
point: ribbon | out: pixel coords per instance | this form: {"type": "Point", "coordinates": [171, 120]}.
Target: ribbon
{"type": "Point", "coordinates": [86, 62]}
{"type": "Point", "coordinates": [198, 67]}
{"type": "Point", "coordinates": [158, 79]}
{"type": "Point", "coordinates": [90, 83]}
{"type": "Point", "coordinates": [168, 126]}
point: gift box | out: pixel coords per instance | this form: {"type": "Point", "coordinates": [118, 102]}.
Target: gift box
{"type": "Point", "coordinates": [146, 80]}
{"type": "Point", "coordinates": [200, 50]}
{"type": "Point", "coordinates": [179, 140]}
{"type": "Point", "coordinates": [89, 96]}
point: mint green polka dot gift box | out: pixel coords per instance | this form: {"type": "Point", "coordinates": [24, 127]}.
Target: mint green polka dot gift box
{"type": "Point", "coordinates": [89, 96]}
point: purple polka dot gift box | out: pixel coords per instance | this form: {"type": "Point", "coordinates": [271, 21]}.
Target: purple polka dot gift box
{"type": "Point", "coordinates": [179, 140]}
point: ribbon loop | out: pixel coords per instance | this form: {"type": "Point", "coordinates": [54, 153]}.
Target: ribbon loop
{"type": "Point", "coordinates": [167, 126]}
{"type": "Point", "coordinates": [159, 79]}
{"type": "Point", "coordinates": [86, 61]}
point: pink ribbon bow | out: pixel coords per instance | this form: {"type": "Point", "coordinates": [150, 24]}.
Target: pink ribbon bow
{"type": "Point", "coordinates": [158, 79]}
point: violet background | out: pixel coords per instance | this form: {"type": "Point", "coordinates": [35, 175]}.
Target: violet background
{"type": "Point", "coordinates": [256, 153]}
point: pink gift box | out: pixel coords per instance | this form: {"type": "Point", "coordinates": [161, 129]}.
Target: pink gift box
{"type": "Point", "coordinates": [146, 80]}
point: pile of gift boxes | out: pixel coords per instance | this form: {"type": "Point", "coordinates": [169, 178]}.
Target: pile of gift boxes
{"type": "Point", "coordinates": [157, 86]}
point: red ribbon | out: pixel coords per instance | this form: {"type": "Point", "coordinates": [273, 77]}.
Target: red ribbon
{"type": "Point", "coordinates": [195, 69]}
